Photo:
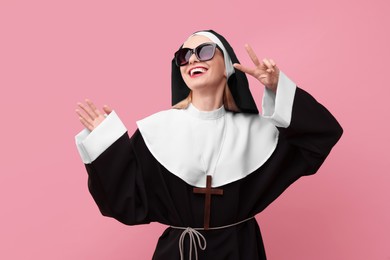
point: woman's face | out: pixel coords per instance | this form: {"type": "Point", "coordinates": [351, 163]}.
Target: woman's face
{"type": "Point", "coordinates": [210, 74]}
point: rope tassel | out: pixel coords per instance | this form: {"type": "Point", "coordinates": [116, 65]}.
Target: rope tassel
{"type": "Point", "coordinates": [196, 241]}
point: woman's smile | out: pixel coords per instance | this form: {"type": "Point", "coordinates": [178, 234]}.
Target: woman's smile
{"type": "Point", "coordinates": [197, 71]}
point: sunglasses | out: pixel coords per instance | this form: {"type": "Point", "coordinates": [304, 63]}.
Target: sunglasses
{"type": "Point", "coordinates": [203, 52]}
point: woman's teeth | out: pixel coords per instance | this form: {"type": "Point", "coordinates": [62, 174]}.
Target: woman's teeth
{"type": "Point", "coordinates": [197, 71]}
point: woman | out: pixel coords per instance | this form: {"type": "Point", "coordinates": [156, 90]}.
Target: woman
{"type": "Point", "coordinates": [207, 166]}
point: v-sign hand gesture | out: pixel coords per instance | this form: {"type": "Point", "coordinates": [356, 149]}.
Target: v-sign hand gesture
{"type": "Point", "coordinates": [266, 71]}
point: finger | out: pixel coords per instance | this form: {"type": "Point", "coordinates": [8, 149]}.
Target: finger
{"type": "Point", "coordinates": [87, 110]}
{"type": "Point", "coordinates": [107, 109]}
{"type": "Point", "coordinates": [82, 115]}
{"type": "Point", "coordinates": [86, 124]}
{"type": "Point", "coordinates": [244, 69]}
{"type": "Point", "coordinates": [252, 55]}
{"type": "Point", "coordinates": [79, 113]}
{"type": "Point", "coordinates": [269, 66]}
{"type": "Point", "coordinates": [85, 118]}
{"type": "Point", "coordinates": [94, 110]}
{"type": "Point", "coordinates": [272, 62]}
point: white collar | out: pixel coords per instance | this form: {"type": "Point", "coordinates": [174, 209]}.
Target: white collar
{"type": "Point", "coordinates": [186, 141]}
{"type": "Point", "coordinates": [206, 115]}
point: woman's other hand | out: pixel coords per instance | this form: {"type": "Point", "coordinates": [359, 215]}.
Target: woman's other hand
{"type": "Point", "coordinates": [90, 116]}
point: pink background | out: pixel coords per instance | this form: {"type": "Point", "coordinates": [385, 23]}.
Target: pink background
{"type": "Point", "coordinates": [55, 53]}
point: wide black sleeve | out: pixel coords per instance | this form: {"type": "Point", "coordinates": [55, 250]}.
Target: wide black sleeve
{"type": "Point", "coordinates": [116, 183]}
{"type": "Point", "coordinates": [313, 131]}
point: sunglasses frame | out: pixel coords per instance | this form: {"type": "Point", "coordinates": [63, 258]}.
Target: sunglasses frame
{"type": "Point", "coordinates": [194, 51]}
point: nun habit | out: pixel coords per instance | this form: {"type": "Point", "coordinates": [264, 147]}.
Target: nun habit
{"type": "Point", "coordinates": [159, 174]}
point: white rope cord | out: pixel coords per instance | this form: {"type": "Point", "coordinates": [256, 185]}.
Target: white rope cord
{"type": "Point", "coordinates": [193, 234]}
{"type": "Point", "coordinates": [197, 239]}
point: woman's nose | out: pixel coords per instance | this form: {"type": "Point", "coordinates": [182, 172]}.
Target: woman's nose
{"type": "Point", "coordinates": [193, 58]}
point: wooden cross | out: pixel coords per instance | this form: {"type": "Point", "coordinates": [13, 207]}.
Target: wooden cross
{"type": "Point", "coordinates": [208, 191]}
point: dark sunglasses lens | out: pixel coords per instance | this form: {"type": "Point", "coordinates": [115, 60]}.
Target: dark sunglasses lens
{"type": "Point", "coordinates": [183, 56]}
{"type": "Point", "coordinates": [205, 52]}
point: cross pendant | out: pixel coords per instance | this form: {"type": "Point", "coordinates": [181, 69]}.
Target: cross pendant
{"type": "Point", "coordinates": [208, 191]}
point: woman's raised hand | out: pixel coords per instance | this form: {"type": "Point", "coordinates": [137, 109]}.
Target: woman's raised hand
{"type": "Point", "coordinates": [90, 116]}
{"type": "Point", "coordinates": [266, 71]}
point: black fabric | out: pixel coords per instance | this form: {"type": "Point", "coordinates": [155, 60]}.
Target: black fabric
{"type": "Point", "coordinates": [130, 185]}
{"type": "Point", "coordinates": [238, 83]}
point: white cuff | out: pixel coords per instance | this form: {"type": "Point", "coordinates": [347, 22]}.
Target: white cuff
{"type": "Point", "coordinates": [92, 144]}
{"type": "Point", "coordinates": [278, 107]}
